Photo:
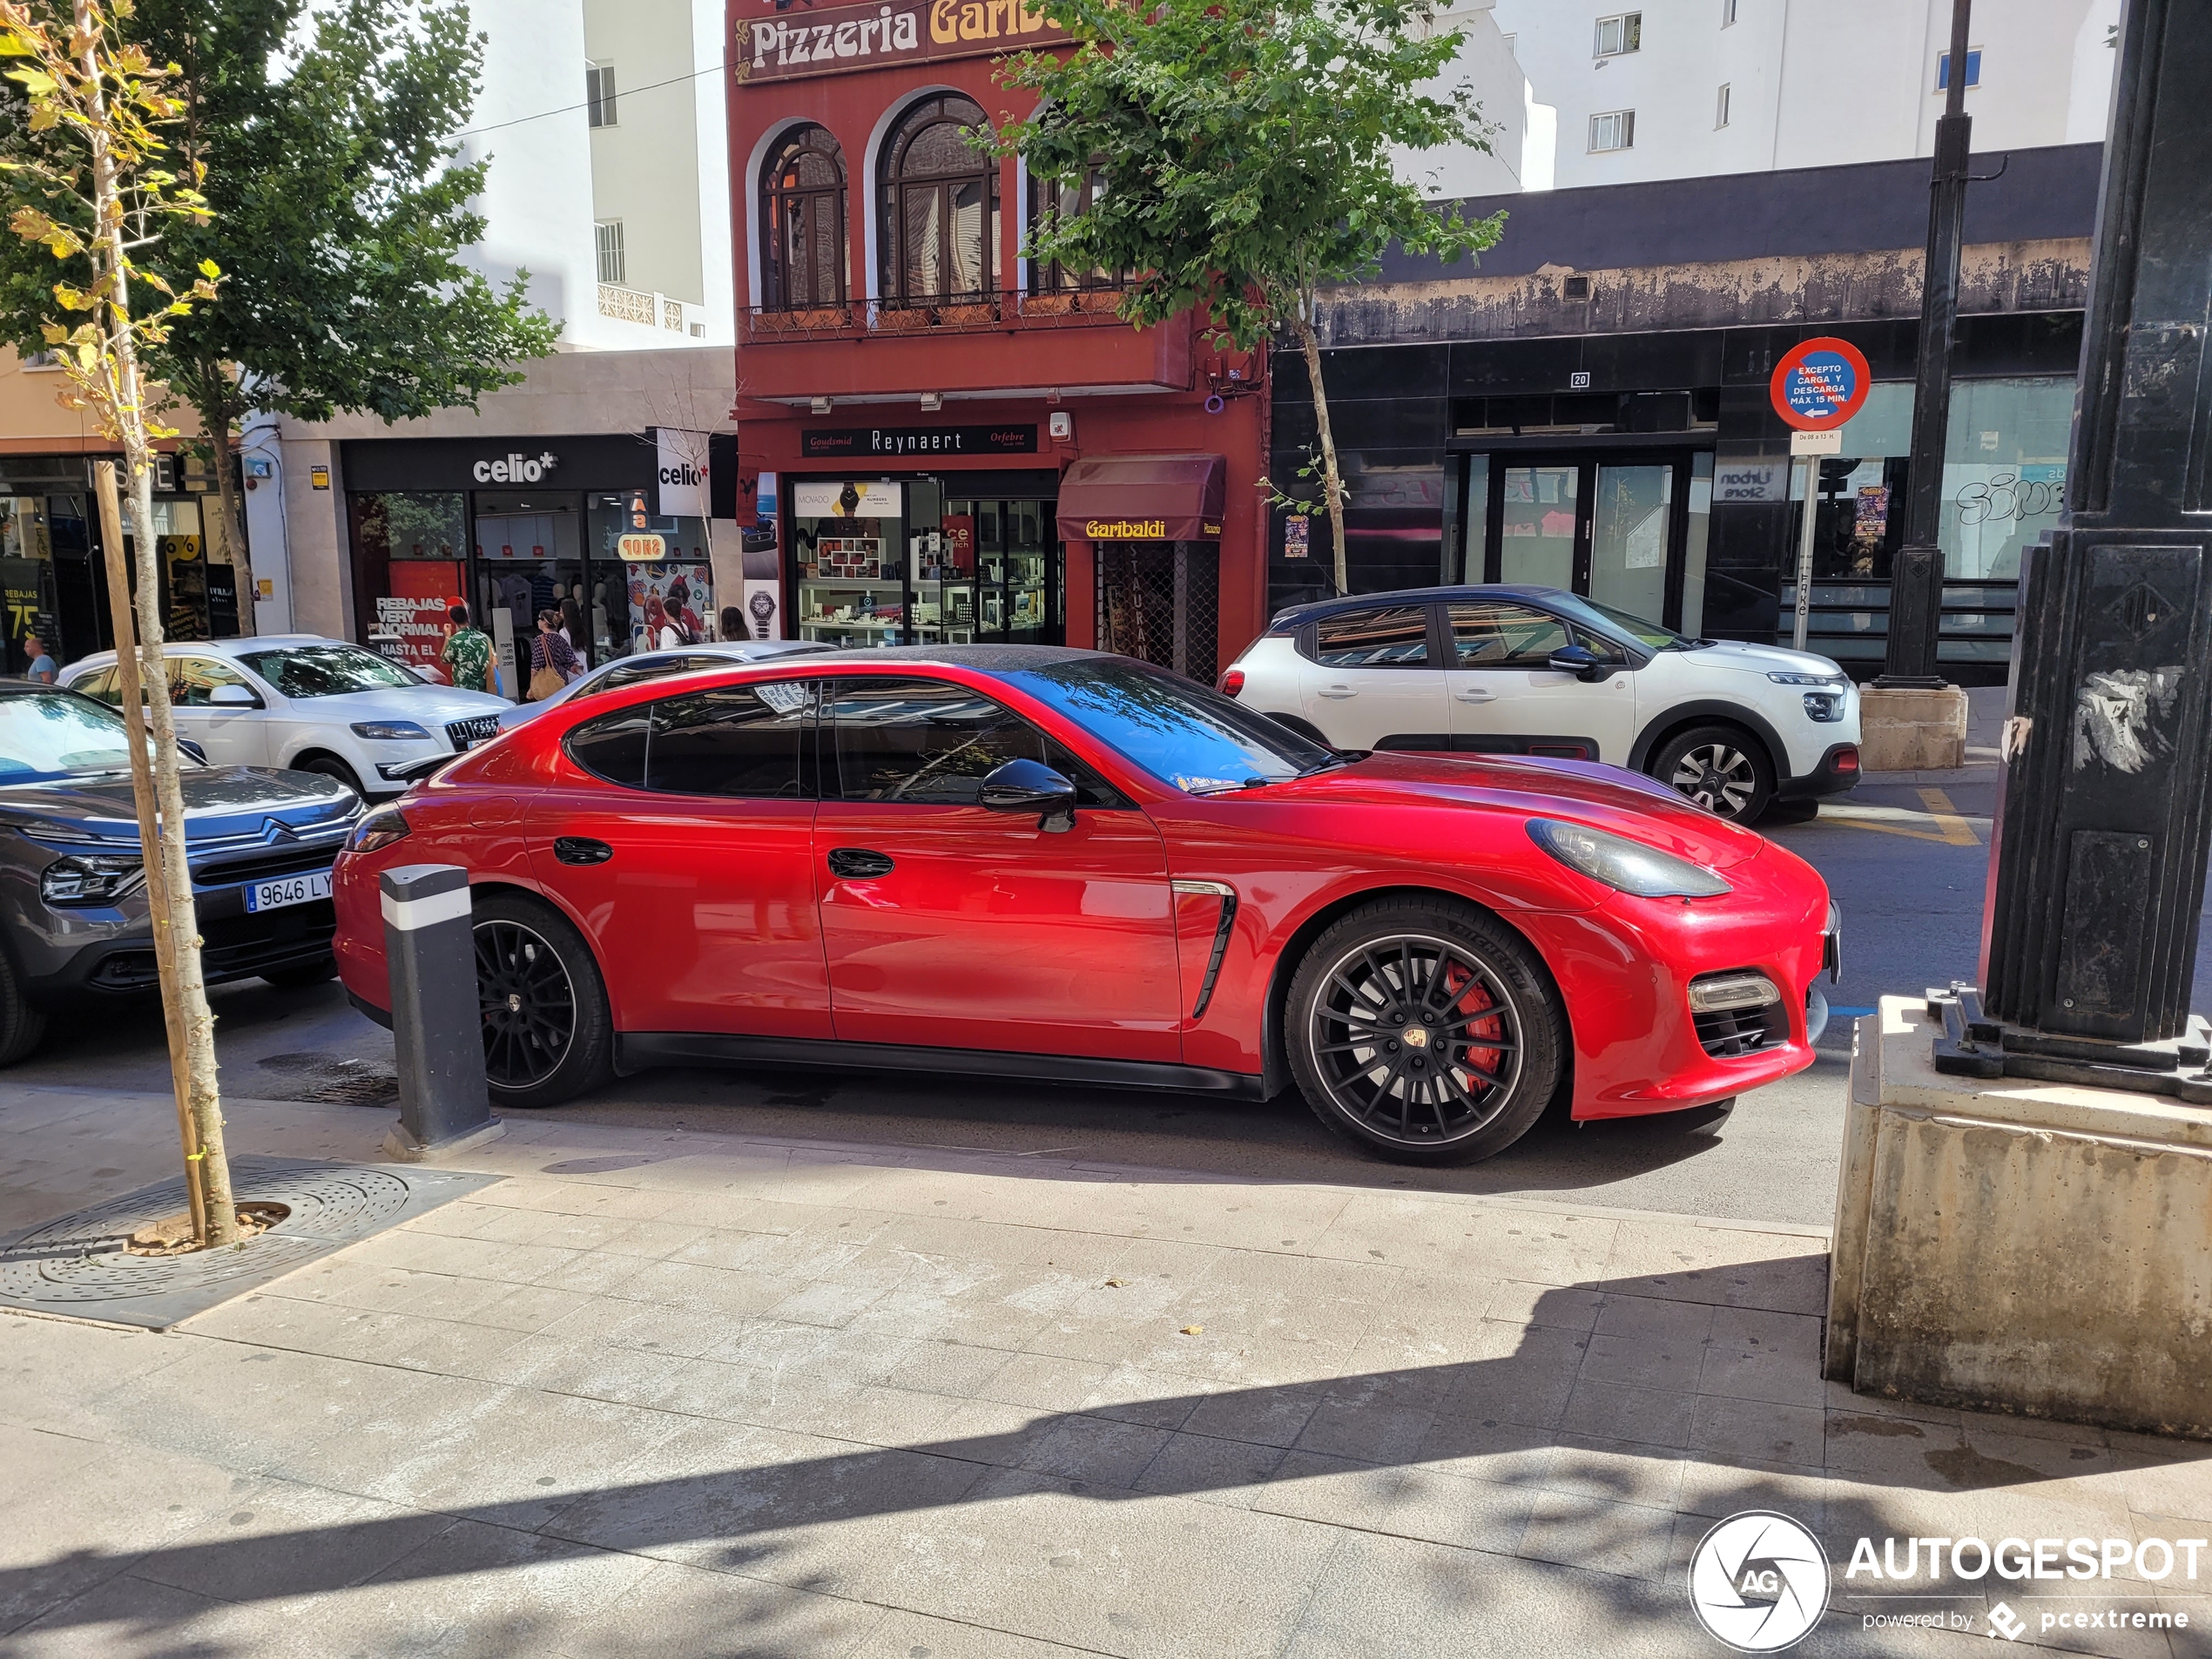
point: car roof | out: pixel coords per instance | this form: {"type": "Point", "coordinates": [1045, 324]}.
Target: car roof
{"type": "Point", "coordinates": [1544, 597]}
{"type": "Point", "coordinates": [215, 647]}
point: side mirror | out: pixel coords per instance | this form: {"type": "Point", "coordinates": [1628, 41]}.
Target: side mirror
{"type": "Point", "coordinates": [1580, 661]}
{"type": "Point", "coordinates": [1031, 787]}
{"type": "Point", "coordinates": [233, 696]}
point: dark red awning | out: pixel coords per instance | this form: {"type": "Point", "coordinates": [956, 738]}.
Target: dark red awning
{"type": "Point", "coordinates": [1143, 498]}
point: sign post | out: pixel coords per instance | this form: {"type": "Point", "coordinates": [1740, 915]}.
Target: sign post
{"type": "Point", "coordinates": [1817, 386]}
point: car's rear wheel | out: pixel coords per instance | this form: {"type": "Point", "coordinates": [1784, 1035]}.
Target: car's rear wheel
{"type": "Point", "coordinates": [22, 1026]}
{"type": "Point", "coordinates": [301, 975]}
{"type": "Point", "coordinates": [1425, 1030]}
{"type": "Point", "coordinates": [1723, 768]}
{"type": "Point", "coordinates": [548, 1036]}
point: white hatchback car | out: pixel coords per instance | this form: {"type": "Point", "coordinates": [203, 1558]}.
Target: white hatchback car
{"type": "Point", "coordinates": [1539, 671]}
{"type": "Point", "coordinates": [307, 702]}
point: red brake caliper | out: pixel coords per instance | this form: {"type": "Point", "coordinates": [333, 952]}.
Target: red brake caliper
{"type": "Point", "coordinates": [1469, 1006]}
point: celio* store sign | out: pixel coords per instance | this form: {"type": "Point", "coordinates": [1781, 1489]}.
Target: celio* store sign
{"type": "Point", "coordinates": [835, 39]}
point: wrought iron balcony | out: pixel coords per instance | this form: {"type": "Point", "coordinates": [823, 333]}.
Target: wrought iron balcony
{"type": "Point", "coordinates": [1007, 311]}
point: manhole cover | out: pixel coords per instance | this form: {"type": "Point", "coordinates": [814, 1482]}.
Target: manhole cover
{"type": "Point", "coordinates": [323, 1080]}
{"type": "Point", "coordinates": [78, 1263]}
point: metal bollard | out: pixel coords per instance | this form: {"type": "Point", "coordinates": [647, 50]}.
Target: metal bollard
{"type": "Point", "coordinates": [430, 951]}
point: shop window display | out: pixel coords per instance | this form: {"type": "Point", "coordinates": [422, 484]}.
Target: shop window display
{"type": "Point", "coordinates": [412, 548]}
{"type": "Point", "coordinates": [653, 577]}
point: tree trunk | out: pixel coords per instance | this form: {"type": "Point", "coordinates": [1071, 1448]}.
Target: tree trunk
{"type": "Point", "coordinates": [215, 424]}
{"type": "Point", "coordinates": [184, 991]}
{"type": "Point", "coordinates": [1332, 481]}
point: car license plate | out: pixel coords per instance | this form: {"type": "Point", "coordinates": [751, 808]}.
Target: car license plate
{"type": "Point", "coordinates": [291, 889]}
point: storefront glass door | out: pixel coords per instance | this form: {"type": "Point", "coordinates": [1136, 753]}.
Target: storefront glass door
{"type": "Point", "coordinates": [1627, 531]}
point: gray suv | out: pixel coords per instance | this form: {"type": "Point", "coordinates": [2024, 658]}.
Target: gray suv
{"type": "Point", "coordinates": [74, 921]}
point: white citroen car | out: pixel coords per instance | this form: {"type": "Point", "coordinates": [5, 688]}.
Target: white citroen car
{"type": "Point", "coordinates": [1539, 671]}
{"type": "Point", "coordinates": [307, 702]}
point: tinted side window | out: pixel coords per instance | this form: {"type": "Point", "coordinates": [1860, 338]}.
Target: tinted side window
{"type": "Point", "coordinates": [192, 680]}
{"type": "Point", "coordinates": [613, 746]}
{"type": "Point", "coordinates": [1489, 634]}
{"type": "Point", "coordinates": [1391, 636]}
{"type": "Point", "coordinates": [738, 741]}
{"type": "Point", "coordinates": [930, 742]}
{"type": "Point", "coordinates": [101, 685]}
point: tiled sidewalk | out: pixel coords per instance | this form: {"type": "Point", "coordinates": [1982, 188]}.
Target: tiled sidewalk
{"type": "Point", "coordinates": [686, 1394]}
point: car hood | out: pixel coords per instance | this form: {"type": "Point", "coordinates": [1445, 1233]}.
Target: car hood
{"type": "Point", "coordinates": [428, 706]}
{"type": "Point", "coordinates": [1761, 659]}
{"type": "Point", "coordinates": [1576, 792]}
{"type": "Point", "coordinates": [219, 802]}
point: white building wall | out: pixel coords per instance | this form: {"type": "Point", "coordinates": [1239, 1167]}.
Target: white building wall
{"type": "Point", "coordinates": [1812, 83]}
{"type": "Point", "coordinates": [1485, 64]}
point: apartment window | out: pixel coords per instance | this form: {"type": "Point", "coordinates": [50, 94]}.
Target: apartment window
{"type": "Point", "coordinates": [599, 94]}
{"type": "Point", "coordinates": [1615, 129]}
{"type": "Point", "coordinates": [1974, 70]}
{"type": "Point", "coordinates": [1619, 35]}
{"type": "Point", "coordinates": [1728, 12]}
{"type": "Point", "coordinates": [1720, 107]}
{"type": "Point", "coordinates": [613, 269]}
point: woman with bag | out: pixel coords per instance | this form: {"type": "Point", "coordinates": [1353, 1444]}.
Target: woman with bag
{"type": "Point", "coordinates": [553, 661]}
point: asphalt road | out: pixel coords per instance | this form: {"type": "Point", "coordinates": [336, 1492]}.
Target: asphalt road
{"type": "Point", "coordinates": [1908, 868]}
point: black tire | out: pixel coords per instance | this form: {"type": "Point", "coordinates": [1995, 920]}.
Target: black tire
{"type": "Point", "coordinates": [301, 975]}
{"type": "Point", "coordinates": [332, 766]}
{"type": "Point", "coordinates": [548, 1036]}
{"type": "Point", "coordinates": [22, 1026]}
{"type": "Point", "coordinates": [1381, 968]}
{"type": "Point", "coordinates": [1724, 768]}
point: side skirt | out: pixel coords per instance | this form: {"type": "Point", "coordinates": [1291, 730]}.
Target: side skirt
{"type": "Point", "coordinates": [634, 1050]}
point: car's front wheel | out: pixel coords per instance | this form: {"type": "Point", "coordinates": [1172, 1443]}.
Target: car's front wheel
{"type": "Point", "coordinates": [1425, 1030]}
{"type": "Point", "coordinates": [1722, 768]}
{"type": "Point", "coordinates": [22, 1026]}
{"type": "Point", "coordinates": [548, 1036]}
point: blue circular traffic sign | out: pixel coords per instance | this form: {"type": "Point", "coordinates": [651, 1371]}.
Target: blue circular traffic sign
{"type": "Point", "coordinates": [1821, 383]}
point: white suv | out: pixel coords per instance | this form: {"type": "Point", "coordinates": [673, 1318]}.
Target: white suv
{"type": "Point", "coordinates": [1539, 672]}
{"type": "Point", "coordinates": [307, 702]}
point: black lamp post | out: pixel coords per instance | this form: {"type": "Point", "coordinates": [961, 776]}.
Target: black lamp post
{"type": "Point", "coordinates": [2089, 935]}
{"type": "Point", "coordinates": [1916, 577]}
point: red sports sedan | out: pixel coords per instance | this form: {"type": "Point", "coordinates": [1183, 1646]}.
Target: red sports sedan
{"type": "Point", "coordinates": [1027, 862]}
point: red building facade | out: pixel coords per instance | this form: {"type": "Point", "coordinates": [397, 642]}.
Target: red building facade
{"type": "Point", "coordinates": [960, 444]}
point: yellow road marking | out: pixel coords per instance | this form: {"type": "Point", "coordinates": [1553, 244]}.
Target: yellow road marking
{"type": "Point", "coordinates": [1951, 829]}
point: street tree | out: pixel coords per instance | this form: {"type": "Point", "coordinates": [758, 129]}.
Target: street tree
{"type": "Point", "coordinates": [97, 203]}
{"type": "Point", "coordinates": [1247, 153]}
{"type": "Point", "coordinates": [340, 213]}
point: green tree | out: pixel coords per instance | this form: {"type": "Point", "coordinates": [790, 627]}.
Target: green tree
{"type": "Point", "coordinates": [340, 212]}
{"type": "Point", "coordinates": [1250, 149]}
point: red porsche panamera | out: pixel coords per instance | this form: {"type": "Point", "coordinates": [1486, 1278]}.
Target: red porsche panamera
{"type": "Point", "coordinates": [1033, 862]}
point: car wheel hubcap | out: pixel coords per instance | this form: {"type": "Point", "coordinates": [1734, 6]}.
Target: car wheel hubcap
{"type": "Point", "coordinates": [1718, 777]}
{"type": "Point", "coordinates": [528, 1002]}
{"type": "Point", "coordinates": [1414, 1040]}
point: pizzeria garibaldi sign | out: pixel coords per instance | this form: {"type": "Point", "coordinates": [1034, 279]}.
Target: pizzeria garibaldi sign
{"type": "Point", "coordinates": [836, 38]}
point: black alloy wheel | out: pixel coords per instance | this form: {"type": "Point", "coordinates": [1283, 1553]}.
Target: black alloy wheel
{"type": "Point", "coordinates": [545, 1025]}
{"type": "Point", "coordinates": [1425, 1031]}
{"type": "Point", "coordinates": [1720, 768]}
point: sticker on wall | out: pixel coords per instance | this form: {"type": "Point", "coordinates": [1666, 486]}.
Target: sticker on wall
{"type": "Point", "coordinates": [1297, 531]}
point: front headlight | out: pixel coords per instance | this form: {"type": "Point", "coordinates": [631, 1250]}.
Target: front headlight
{"type": "Point", "coordinates": [378, 831]}
{"type": "Point", "coordinates": [1628, 865]}
{"type": "Point", "coordinates": [93, 879]}
{"type": "Point", "coordinates": [389, 731]}
{"type": "Point", "coordinates": [1808, 679]}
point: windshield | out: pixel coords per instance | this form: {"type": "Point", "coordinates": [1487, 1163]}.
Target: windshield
{"type": "Point", "coordinates": [1650, 634]}
{"type": "Point", "coordinates": [43, 738]}
{"type": "Point", "coordinates": [1182, 733]}
{"type": "Point", "coordinates": [327, 671]}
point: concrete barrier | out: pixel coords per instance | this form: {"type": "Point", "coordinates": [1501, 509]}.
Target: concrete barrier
{"type": "Point", "coordinates": [1905, 730]}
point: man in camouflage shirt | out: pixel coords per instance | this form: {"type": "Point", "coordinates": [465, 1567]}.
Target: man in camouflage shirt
{"type": "Point", "coordinates": [467, 652]}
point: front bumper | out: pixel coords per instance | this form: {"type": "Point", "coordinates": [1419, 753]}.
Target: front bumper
{"type": "Point", "coordinates": [233, 946]}
{"type": "Point", "coordinates": [1836, 774]}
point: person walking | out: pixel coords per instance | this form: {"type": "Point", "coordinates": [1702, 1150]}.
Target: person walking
{"type": "Point", "coordinates": [43, 668]}
{"type": "Point", "coordinates": [553, 662]}
{"type": "Point", "coordinates": [467, 652]}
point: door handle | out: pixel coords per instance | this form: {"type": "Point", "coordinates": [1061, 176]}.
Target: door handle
{"type": "Point", "coordinates": [1476, 697]}
{"type": "Point", "coordinates": [581, 849]}
{"type": "Point", "coordinates": [1337, 691]}
{"type": "Point", "coordinates": [858, 863]}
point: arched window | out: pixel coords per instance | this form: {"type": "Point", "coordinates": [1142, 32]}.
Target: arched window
{"type": "Point", "coordinates": [939, 207]}
{"type": "Point", "coordinates": [802, 222]}
{"type": "Point", "coordinates": [1052, 200]}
